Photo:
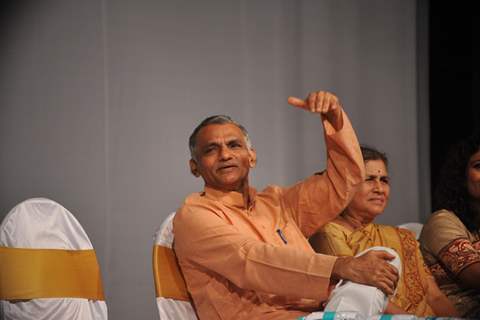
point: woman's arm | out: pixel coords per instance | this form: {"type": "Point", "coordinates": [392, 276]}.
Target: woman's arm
{"type": "Point", "coordinates": [470, 276]}
{"type": "Point", "coordinates": [438, 301]}
{"type": "Point", "coordinates": [445, 237]}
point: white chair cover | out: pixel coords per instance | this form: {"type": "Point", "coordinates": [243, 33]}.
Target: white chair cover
{"type": "Point", "coordinates": [171, 309]}
{"type": "Point", "coordinates": [415, 227]}
{"type": "Point", "coordinates": [41, 223]}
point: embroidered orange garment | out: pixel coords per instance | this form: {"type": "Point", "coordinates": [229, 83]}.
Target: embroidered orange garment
{"type": "Point", "coordinates": [255, 262]}
{"type": "Point", "coordinates": [448, 248]}
{"type": "Point", "coordinates": [337, 240]}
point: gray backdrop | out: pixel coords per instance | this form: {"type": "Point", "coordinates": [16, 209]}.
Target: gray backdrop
{"type": "Point", "coordinates": [98, 98]}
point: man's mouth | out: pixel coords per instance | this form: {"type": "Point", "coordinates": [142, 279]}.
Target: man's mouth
{"type": "Point", "coordinates": [227, 167]}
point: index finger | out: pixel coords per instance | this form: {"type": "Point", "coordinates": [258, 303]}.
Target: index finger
{"type": "Point", "coordinates": [297, 102]}
{"type": "Point", "coordinates": [392, 272]}
{"type": "Point", "coordinates": [387, 287]}
{"type": "Point", "coordinates": [382, 254]}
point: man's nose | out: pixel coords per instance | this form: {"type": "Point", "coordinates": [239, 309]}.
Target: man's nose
{"type": "Point", "coordinates": [225, 153]}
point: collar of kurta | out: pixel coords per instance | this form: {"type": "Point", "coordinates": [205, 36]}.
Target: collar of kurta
{"type": "Point", "coordinates": [232, 198]}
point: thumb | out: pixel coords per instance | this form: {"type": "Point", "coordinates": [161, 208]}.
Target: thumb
{"type": "Point", "coordinates": [296, 102]}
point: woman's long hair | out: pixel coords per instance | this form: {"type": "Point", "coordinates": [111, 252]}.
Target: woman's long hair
{"type": "Point", "coordinates": [451, 192]}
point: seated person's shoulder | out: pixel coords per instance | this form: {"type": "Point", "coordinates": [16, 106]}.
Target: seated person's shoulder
{"type": "Point", "coordinates": [194, 202]}
{"type": "Point", "coordinates": [271, 189]}
{"type": "Point", "coordinates": [443, 216]}
{"type": "Point", "coordinates": [332, 228]}
{"type": "Point", "coordinates": [194, 198]}
{"type": "Point", "coordinates": [197, 208]}
{"type": "Point", "coordinates": [404, 231]}
{"type": "Point", "coordinates": [191, 208]}
{"type": "Point", "coordinates": [442, 219]}
{"type": "Point", "coordinates": [192, 221]}
{"type": "Point", "coordinates": [332, 239]}
{"type": "Point", "coordinates": [272, 194]}
{"type": "Point", "coordinates": [440, 230]}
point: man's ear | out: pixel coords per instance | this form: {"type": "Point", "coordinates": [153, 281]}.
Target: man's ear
{"type": "Point", "coordinates": [252, 157]}
{"type": "Point", "coordinates": [193, 168]}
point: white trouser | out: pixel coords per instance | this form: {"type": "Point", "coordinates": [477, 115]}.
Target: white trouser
{"type": "Point", "coordinates": [366, 300]}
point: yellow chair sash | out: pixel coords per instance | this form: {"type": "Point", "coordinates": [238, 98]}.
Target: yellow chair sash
{"type": "Point", "coordinates": [49, 273]}
{"type": "Point", "coordinates": [169, 282]}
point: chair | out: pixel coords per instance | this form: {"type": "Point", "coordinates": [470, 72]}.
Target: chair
{"type": "Point", "coordinates": [173, 301]}
{"type": "Point", "coordinates": [48, 269]}
{"type": "Point", "coordinates": [415, 227]}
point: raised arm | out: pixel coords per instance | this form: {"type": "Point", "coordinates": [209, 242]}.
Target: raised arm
{"type": "Point", "coordinates": [320, 198]}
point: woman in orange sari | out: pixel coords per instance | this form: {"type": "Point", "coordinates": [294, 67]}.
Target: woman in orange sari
{"type": "Point", "coordinates": [353, 231]}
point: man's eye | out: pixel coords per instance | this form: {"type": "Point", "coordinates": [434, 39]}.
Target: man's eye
{"type": "Point", "coordinates": [385, 180]}
{"type": "Point", "coordinates": [235, 145]}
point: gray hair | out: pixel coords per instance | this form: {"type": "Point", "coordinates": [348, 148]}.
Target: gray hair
{"type": "Point", "coordinates": [217, 119]}
{"type": "Point", "coordinates": [370, 153]}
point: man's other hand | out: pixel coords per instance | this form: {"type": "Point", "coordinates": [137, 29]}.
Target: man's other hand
{"type": "Point", "coordinates": [321, 102]}
{"type": "Point", "coordinates": [371, 269]}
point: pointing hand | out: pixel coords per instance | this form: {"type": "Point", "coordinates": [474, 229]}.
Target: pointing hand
{"type": "Point", "coordinates": [321, 102]}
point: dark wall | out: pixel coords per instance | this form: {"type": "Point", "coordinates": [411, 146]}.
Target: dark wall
{"type": "Point", "coordinates": [454, 77]}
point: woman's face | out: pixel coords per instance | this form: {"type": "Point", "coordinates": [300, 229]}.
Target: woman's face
{"type": "Point", "coordinates": [372, 196]}
{"type": "Point", "coordinates": [473, 176]}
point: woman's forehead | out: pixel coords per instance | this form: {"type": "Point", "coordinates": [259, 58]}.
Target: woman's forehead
{"type": "Point", "coordinates": [375, 167]}
{"type": "Point", "coordinates": [475, 156]}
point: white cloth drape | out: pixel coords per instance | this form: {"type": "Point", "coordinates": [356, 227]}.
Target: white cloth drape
{"type": "Point", "coordinates": [366, 300]}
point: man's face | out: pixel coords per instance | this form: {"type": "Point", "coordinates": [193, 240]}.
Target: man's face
{"type": "Point", "coordinates": [223, 158]}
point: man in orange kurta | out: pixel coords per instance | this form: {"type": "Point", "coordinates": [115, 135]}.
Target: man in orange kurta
{"type": "Point", "coordinates": [244, 254]}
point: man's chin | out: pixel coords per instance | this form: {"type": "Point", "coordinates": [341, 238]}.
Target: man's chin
{"type": "Point", "coordinates": [230, 186]}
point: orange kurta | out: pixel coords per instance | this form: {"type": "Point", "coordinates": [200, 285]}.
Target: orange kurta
{"type": "Point", "coordinates": [255, 262]}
